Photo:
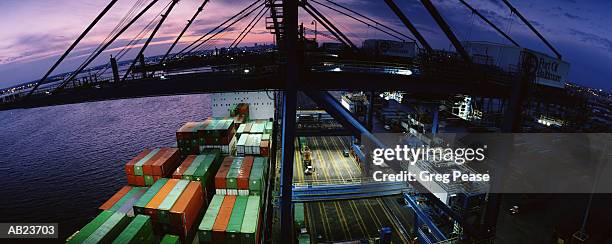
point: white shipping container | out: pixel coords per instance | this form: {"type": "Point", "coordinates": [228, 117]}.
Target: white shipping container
{"type": "Point", "coordinates": [391, 48]}
{"type": "Point", "coordinates": [551, 71]}
{"type": "Point", "coordinates": [240, 146]}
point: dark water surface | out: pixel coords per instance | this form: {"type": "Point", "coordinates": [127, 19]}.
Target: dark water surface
{"type": "Point", "coordinates": [58, 164]}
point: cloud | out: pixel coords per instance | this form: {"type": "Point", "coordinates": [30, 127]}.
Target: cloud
{"type": "Point", "coordinates": [575, 17]}
{"type": "Point", "coordinates": [601, 41]}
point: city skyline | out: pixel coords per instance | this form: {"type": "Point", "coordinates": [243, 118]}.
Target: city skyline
{"type": "Point", "coordinates": [35, 33]}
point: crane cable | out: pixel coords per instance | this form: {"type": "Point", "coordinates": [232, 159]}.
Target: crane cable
{"type": "Point", "coordinates": [138, 4]}
{"type": "Point", "coordinates": [180, 53]}
{"type": "Point", "coordinates": [248, 28]}
{"type": "Point", "coordinates": [225, 28]}
{"type": "Point", "coordinates": [137, 39]}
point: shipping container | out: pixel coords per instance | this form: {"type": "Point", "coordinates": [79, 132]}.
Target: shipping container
{"type": "Point", "coordinates": [264, 148]}
{"type": "Point", "coordinates": [235, 222]}
{"type": "Point", "coordinates": [220, 181]}
{"type": "Point", "coordinates": [167, 164]}
{"type": "Point", "coordinates": [252, 221]}
{"type": "Point", "coordinates": [220, 226]}
{"type": "Point", "coordinates": [151, 207]}
{"type": "Point", "coordinates": [298, 216]}
{"type": "Point", "coordinates": [136, 180]}
{"type": "Point", "coordinates": [187, 209]}
{"type": "Point", "coordinates": [129, 166]}
{"type": "Point", "coordinates": [265, 137]}
{"type": "Point", "coordinates": [247, 128]}
{"type": "Point", "coordinates": [243, 175]}
{"type": "Point", "coordinates": [232, 176]}
{"type": "Point", "coordinates": [269, 127]}
{"type": "Point", "coordinates": [126, 204]}
{"type": "Point", "coordinates": [258, 128]}
{"type": "Point", "coordinates": [111, 228]}
{"type": "Point", "coordinates": [170, 239]}
{"type": "Point", "coordinates": [140, 230]}
{"type": "Point", "coordinates": [187, 138]}
{"type": "Point", "coordinates": [197, 160]}
{"type": "Point", "coordinates": [240, 146]}
{"type": "Point", "coordinates": [139, 206]}
{"type": "Point", "coordinates": [139, 166]}
{"type": "Point", "coordinates": [180, 170]}
{"type": "Point", "coordinates": [92, 226]}
{"type": "Point", "coordinates": [256, 178]}
{"type": "Point", "coordinates": [240, 130]}
{"type": "Point", "coordinates": [206, 226]}
{"type": "Point", "coordinates": [164, 208]}
{"type": "Point", "coordinates": [115, 198]}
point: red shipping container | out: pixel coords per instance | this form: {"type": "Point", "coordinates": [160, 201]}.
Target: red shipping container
{"type": "Point", "coordinates": [187, 209]}
{"type": "Point", "coordinates": [165, 166]}
{"type": "Point", "coordinates": [222, 219]}
{"type": "Point", "coordinates": [146, 167]}
{"type": "Point", "coordinates": [220, 182]}
{"type": "Point", "coordinates": [264, 148]}
{"type": "Point", "coordinates": [180, 170]}
{"type": "Point", "coordinates": [244, 173]}
{"type": "Point", "coordinates": [136, 180]}
{"type": "Point", "coordinates": [129, 166]}
{"type": "Point", "coordinates": [111, 201]}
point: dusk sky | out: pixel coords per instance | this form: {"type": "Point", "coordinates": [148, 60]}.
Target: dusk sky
{"type": "Point", "coordinates": [34, 33]}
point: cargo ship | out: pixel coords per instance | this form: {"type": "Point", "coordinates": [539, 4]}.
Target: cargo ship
{"type": "Point", "coordinates": [213, 187]}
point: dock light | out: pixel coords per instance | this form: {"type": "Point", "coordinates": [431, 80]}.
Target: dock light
{"type": "Point", "coordinates": [246, 71]}
{"type": "Point", "coordinates": [404, 72]}
{"type": "Point", "coordinates": [336, 69]}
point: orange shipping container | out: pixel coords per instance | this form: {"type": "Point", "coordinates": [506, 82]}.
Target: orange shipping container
{"type": "Point", "coordinates": [187, 208]}
{"type": "Point", "coordinates": [151, 207]}
{"type": "Point", "coordinates": [129, 166]}
{"type": "Point", "coordinates": [222, 219]}
{"type": "Point", "coordinates": [110, 202]}
{"type": "Point", "coordinates": [244, 173]}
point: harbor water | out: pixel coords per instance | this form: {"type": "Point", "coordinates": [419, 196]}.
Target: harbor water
{"type": "Point", "coordinates": [60, 163]}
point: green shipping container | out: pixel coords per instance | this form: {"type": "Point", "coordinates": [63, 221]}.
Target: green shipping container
{"type": "Point", "coordinates": [205, 227]}
{"type": "Point", "coordinates": [203, 171]}
{"type": "Point", "coordinates": [269, 126]}
{"type": "Point", "coordinates": [304, 239]}
{"type": "Point", "coordinates": [265, 137]}
{"type": "Point", "coordinates": [298, 215]}
{"type": "Point", "coordinates": [188, 174]}
{"type": "Point", "coordinates": [92, 226]}
{"type": "Point", "coordinates": [232, 174]}
{"type": "Point", "coordinates": [250, 222]}
{"type": "Point", "coordinates": [140, 230]}
{"type": "Point", "coordinates": [256, 177]}
{"type": "Point", "coordinates": [235, 222]}
{"type": "Point", "coordinates": [166, 205]}
{"type": "Point", "coordinates": [125, 198]}
{"type": "Point", "coordinates": [111, 228]}
{"type": "Point", "coordinates": [148, 179]}
{"type": "Point", "coordinates": [139, 206]}
{"type": "Point", "coordinates": [138, 165]}
{"type": "Point", "coordinates": [170, 239]}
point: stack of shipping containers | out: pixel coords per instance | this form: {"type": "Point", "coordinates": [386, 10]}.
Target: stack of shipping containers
{"type": "Point", "coordinates": [151, 165]}
{"type": "Point", "coordinates": [170, 196]}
